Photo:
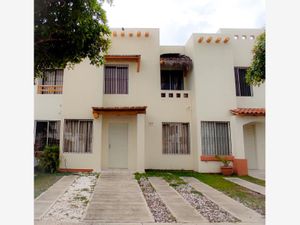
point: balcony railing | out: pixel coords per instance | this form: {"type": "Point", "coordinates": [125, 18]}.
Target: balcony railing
{"type": "Point", "coordinates": [50, 89]}
{"type": "Point", "coordinates": [175, 94]}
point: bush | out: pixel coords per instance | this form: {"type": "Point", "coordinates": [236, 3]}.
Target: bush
{"type": "Point", "coordinates": [49, 160]}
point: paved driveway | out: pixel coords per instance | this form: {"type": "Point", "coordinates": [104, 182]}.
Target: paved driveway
{"type": "Point", "coordinates": [260, 174]}
{"type": "Point", "coordinates": [118, 197]}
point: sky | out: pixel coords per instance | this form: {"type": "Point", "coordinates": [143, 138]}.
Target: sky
{"type": "Point", "coordinates": [178, 19]}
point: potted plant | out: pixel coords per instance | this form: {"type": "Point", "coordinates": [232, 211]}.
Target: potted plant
{"type": "Point", "coordinates": [226, 169]}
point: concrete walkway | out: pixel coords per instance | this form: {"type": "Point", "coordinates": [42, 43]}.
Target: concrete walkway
{"type": "Point", "coordinates": [179, 207]}
{"type": "Point", "coordinates": [85, 223]}
{"type": "Point", "coordinates": [259, 174]}
{"type": "Point", "coordinates": [43, 202]}
{"type": "Point", "coordinates": [235, 208]}
{"type": "Point", "coordinates": [254, 187]}
{"type": "Point", "coordinates": [117, 198]}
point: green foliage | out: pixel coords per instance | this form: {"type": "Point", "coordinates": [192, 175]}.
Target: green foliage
{"type": "Point", "coordinates": [256, 73]}
{"type": "Point", "coordinates": [67, 31]}
{"type": "Point", "coordinates": [42, 181]}
{"type": "Point", "coordinates": [49, 160]}
{"type": "Point", "coordinates": [253, 180]}
{"type": "Point", "coordinates": [225, 162]}
{"type": "Point", "coordinates": [138, 176]}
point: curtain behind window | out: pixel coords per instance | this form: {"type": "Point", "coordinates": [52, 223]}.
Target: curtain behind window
{"type": "Point", "coordinates": [78, 136]}
{"type": "Point", "coordinates": [215, 138]}
{"type": "Point", "coordinates": [176, 138]}
{"type": "Point", "coordinates": [116, 79]}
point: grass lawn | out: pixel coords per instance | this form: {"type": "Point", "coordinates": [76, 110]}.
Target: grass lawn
{"type": "Point", "coordinates": [245, 196]}
{"type": "Point", "coordinates": [42, 181]}
{"type": "Point", "coordinates": [253, 180]}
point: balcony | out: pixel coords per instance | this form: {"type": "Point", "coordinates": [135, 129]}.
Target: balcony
{"type": "Point", "coordinates": [49, 89]}
{"type": "Point", "coordinates": [175, 94]}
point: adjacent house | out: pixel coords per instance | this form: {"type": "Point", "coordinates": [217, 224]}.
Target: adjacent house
{"type": "Point", "coordinates": [156, 107]}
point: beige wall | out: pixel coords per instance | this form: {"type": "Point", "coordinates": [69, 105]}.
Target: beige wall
{"type": "Point", "coordinates": [210, 85]}
{"type": "Point", "coordinates": [84, 160]}
{"type": "Point", "coordinates": [47, 106]}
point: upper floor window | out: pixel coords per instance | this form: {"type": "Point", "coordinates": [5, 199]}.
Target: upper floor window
{"type": "Point", "coordinates": [241, 87]}
{"type": "Point", "coordinates": [116, 79]}
{"type": "Point", "coordinates": [171, 79]}
{"type": "Point", "coordinates": [175, 138]}
{"type": "Point", "coordinates": [52, 82]}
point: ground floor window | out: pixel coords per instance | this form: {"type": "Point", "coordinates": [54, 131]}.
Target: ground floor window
{"type": "Point", "coordinates": [215, 138]}
{"type": "Point", "coordinates": [46, 133]}
{"type": "Point", "coordinates": [175, 138]}
{"type": "Point", "coordinates": [78, 136]}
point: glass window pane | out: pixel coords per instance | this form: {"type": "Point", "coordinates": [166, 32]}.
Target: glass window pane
{"type": "Point", "coordinates": [40, 136]}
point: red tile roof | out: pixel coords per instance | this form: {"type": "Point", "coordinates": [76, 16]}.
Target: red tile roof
{"type": "Point", "coordinates": [248, 111]}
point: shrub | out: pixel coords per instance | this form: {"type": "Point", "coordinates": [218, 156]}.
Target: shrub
{"type": "Point", "coordinates": [49, 160]}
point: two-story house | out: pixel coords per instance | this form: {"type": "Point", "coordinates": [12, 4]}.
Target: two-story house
{"type": "Point", "coordinates": [156, 107]}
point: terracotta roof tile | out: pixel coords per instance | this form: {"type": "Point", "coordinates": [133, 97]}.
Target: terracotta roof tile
{"type": "Point", "coordinates": [248, 111]}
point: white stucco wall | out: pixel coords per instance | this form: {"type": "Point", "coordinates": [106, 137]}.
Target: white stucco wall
{"type": "Point", "coordinates": [210, 85]}
{"type": "Point", "coordinates": [47, 106]}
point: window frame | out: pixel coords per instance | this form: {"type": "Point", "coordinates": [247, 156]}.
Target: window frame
{"type": "Point", "coordinates": [104, 74]}
{"type": "Point", "coordinates": [55, 81]}
{"type": "Point", "coordinates": [170, 79]}
{"type": "Point", "coordinates": [238, 89]}
{"type": "Point", "coordinates": [92, 140]}
{"type": "Point", "coordinates": [178, 138]}
{"type": "Point", "coordinates": [47, 135]}
{"type": "Point", "coordinates": [214, 141]}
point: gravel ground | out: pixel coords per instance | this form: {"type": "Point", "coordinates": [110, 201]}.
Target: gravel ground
{"type": "Point", "coordinates": [211, 211]}
{"type": "Point", "coordinates": [159, 210]}
{"type": "Point", "coordinates": [71, 206]}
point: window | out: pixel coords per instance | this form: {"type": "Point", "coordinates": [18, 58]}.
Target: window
{"type": "Point", "coordinates": [46, 133]}
{"type": "Point", "coordinates": [175, 138]}
{"type": "Point", "coordinates": [53, 77]}
{"type": "Point", "coordinates": [171, 79]}
{"type": "Point", "coordinates": [52, 82]}
{"type": "Point", "coordinates": [215, 138]}
{"type": "Point", "coordinates": [116, 79]}
{"type": "Point", "coordinates": [78, 136]}
{"type": "Point", "coordinates": [241, 87]}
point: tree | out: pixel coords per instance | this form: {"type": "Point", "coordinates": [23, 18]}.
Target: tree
{"type": "Point", "coordinates": [67, 31]}
{"type": "Point", "coordinates": [256, 73]}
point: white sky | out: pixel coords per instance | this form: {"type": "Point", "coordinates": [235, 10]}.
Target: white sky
{"type": "Point", "coordinates": [178, 19]}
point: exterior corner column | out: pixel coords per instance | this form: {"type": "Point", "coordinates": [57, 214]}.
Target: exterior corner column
{"type": "Point", "coordinates": [240, 164]}
{"type": "Point", "coordinates": [97, 142]}
{"type": "Point", "coordinates": [140, 137]}
{"type": "Point", "coordinates": [237, 131]}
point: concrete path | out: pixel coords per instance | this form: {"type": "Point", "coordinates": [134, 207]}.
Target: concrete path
{"type": "Point", "coordinates": [43, 202]}
{"type": "Point", "coordinates": [117, 198]}
{"type": "Point", "coordinates": [235, 208]}
{"type": "Point", "coordinates": [178, 206]}
{"type": "Point", "coordinates": [254, 187]}
{"type": "Point", "coordinates": [259, 174]}
{"type": "Point", "coordinates": [85, 223]}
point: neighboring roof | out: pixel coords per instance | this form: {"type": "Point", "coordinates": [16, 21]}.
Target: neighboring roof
{"type": "Point", "coordinates": [176, 60]}
{"type": "Point", "coordinates": [127, 110]}
{"type": "Point", "coordinates": [248, 111]}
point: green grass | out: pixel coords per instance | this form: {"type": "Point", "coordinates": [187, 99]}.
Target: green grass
{"type": "Point", "coordinates": [245, 196]}
{"type": "Point", "coordinates": [172, 179]}
{"type": "Point", "coordinates": [42, 181]}
{"type": "Point", "coordinates": [253, 180]}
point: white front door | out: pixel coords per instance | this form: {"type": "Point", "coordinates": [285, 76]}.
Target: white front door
{"type": "Point", "coordinates": [118, 145]}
